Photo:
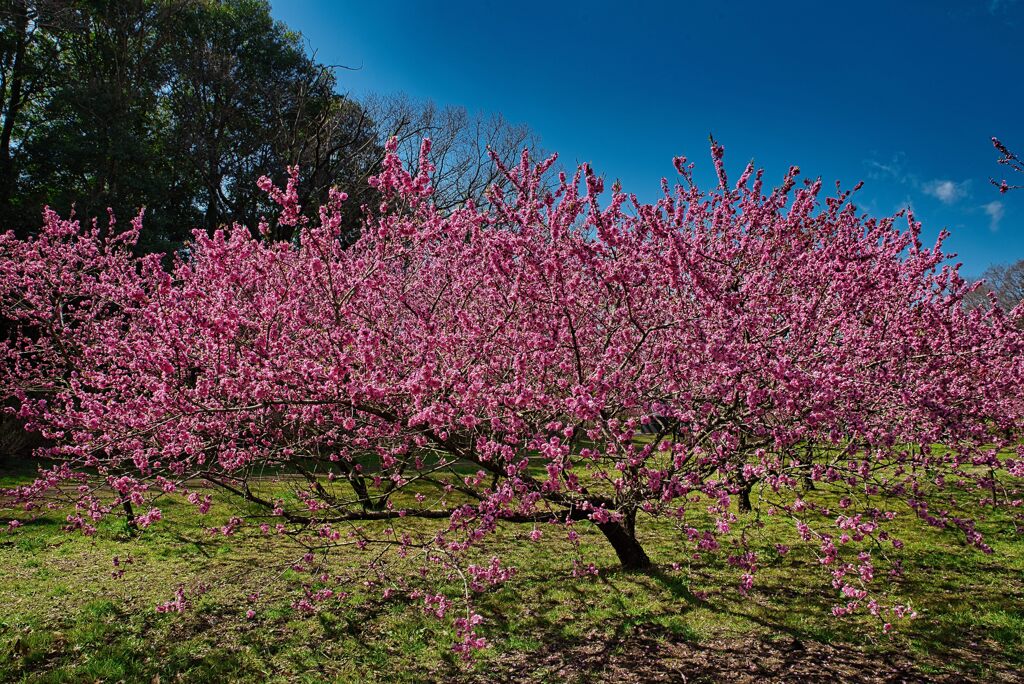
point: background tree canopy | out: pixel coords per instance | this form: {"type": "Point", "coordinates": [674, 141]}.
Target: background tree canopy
{"type": "Point", "coordinates": [179, 106]}
{"type": "Point", "coordinates": [172, 105]}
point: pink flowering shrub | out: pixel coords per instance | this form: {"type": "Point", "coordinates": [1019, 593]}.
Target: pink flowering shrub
{"type": "Point", "coordinates": [561, 358]}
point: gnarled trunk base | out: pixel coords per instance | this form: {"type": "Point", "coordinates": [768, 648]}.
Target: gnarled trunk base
{"type": "Point", "coordinates": [631, 555]}
{"type": "Point", "coordinates": [744, 497]}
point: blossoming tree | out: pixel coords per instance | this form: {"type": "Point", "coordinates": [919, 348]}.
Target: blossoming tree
{"type": "Point", "coordinates": [560, 358]}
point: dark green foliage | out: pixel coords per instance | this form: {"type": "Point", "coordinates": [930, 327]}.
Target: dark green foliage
{"type": "Point", "coordinates": [174, 105]}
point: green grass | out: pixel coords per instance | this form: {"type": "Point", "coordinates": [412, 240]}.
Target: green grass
{"type": "Point", "coordinates": [64, 618]}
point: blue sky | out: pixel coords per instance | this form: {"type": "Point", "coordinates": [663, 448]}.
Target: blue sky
{"type": "Point", "coordinates": [901, 94]}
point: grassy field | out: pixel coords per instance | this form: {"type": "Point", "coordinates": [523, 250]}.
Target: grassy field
{"type": "Point", "coordinates": [65, 618]}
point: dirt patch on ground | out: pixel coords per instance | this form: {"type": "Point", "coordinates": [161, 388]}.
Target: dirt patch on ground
{"type": "Point", "coordinates": [652, 657]}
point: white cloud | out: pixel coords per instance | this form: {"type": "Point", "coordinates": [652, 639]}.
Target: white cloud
{"type": "Point", "coordinates": [995, 211]}
{"type": "Point", "coordinates": [894, 168]}
{"type": "Point", "coordinates": [946, 191]}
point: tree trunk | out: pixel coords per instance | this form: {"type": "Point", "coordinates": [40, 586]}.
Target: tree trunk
{"type": "Point", "coordinates": [744, 495]}
{"type": "Point", "coordinates": [627, 548]}
{"type": "Point", "coordinates": [808, 479]}
{"type": "Point", "coordinates": [14, 102]}
{"type": "Point", "coordinates": [130, 517]}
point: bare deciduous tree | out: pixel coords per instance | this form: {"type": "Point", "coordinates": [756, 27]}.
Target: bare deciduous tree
{"type": "Point", "coordinates": [1006, 282]}
{"type": "Point", "coordinates": [461, 140]}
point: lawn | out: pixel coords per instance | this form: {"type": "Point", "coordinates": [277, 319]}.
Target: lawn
{"type": "Point", "coordinates": [65, 616]}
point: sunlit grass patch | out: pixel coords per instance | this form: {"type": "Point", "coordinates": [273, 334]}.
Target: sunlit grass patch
{"type": "Point", "coordinates": [66, 617]}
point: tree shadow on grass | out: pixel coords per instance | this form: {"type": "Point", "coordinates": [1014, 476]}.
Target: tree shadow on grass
{"type": "Point", "coordinates": [548, 626]}
{"type": "Point", "coordinates": [641, 648]}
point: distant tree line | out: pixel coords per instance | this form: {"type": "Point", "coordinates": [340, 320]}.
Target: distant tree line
{"type": "Point", "coordinates": [1003, 282]}
{"type": "Point", "coordinates": [180, 105]}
